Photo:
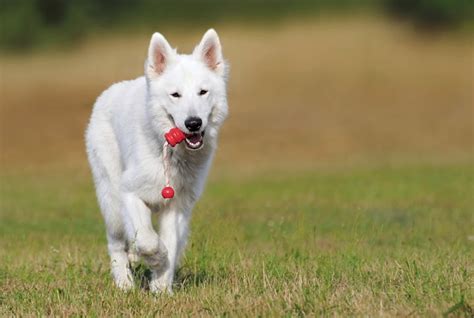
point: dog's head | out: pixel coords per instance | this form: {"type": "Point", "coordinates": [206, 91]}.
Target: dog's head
{"type": "Point", "coordinates": [187, 91]}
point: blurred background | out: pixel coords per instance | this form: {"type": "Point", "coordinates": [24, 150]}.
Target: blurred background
{"type": "Point", "coordinates": [313, 85]}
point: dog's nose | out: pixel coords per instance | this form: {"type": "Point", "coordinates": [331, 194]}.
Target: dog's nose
{"type": "Point", "coordinates": [193, 123]}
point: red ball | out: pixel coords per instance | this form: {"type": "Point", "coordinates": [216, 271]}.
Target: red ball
{"type": "Point", "coordinates": [167, 192]}
{"type": "Point", "coordinates": [174, 136]}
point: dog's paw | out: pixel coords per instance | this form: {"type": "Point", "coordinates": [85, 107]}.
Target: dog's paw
{"type": "Point", "coordinates": [158, 260]}
{"type": "Point", "coordinates": [157, 286]}
{"type": "Point", "coordinates": [133, 257]}
{"type": "Point", "coordinates": [123, 277]}
{"type": "Point", "coordinates": [152, 250]}
{"type": "Point", "coordinates": [149, 244]}
{"type": "Point", "coordinates": [124, 283]}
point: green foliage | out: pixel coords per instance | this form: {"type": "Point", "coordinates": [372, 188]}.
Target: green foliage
{"type": "Point", "coordinates": [31, 23]}
{"type": "Point", "coordinates": [26, 24]}
{"type": "Point", "coordinates": [433, 13]}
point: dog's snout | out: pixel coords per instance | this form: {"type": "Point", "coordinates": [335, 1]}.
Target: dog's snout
{"type": "Point", "coordinates": [193, 123]}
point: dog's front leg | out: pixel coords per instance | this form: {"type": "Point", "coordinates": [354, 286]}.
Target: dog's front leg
{"type": "Point", "coordinates": [144, 238]}
{"type": "Point", "coordinates": [173, 233]}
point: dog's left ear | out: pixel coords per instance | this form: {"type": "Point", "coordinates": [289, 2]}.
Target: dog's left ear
{"type": "Point", "coordinates": [210, 52]}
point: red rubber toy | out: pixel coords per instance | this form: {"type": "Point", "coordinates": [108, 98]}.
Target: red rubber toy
{"type": "Point", "coordinates": [174, 136]}
{"type": "Point", "coordinates": [167, 192]}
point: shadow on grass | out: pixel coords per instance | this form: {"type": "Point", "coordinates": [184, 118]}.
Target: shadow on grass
{"type": "Point", "coordinates": [184, 279]}
{"type": "Point", "coordinates": [141, 276]}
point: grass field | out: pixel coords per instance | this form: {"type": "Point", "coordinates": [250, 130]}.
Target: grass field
{"type": "Point", "coordinates": [377, 242]}
{"type": "Point", "coordinates": [343, 185]}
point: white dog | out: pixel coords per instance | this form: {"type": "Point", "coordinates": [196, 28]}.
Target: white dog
{"type": "Point", "coordinates": [125, 141]}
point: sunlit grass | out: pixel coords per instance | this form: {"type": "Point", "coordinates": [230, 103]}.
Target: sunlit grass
{"type": "Point", "coordinates": [387, 241]}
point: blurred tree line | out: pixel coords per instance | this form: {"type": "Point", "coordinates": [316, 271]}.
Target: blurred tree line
{"type": "Point", "coordinates": [26, 24]}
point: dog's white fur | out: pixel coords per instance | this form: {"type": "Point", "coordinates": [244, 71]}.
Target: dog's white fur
{"type": "Point", "coordinates": [125, 140]}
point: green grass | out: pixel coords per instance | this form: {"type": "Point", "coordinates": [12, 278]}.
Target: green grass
{"type": "Point", "coordinates": [385, 241]}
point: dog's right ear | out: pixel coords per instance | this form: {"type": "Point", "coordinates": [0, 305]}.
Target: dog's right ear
{"type": "Point", "coordinates": [160, 54]}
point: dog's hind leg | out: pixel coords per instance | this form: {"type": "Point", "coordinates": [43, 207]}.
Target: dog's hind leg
{"type": "Point", "coordinates": [105, 165]}
{"type": "Point", "coordinates": [121, 272]}
{"type": "Point", "coordinates": [116, 237]}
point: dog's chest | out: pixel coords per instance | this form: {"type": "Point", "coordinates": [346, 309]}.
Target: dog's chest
{"type": "Point", "coordinates": [184, 173]}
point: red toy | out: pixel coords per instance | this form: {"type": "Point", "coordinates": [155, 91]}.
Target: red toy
{"type": "Point", "coordinates": [173, 137]}
{"type": "Point", "coordinates": [167, 192]}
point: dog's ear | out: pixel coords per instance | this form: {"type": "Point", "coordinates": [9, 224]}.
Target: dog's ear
{"type": "Point", "coordinates": [210, 52]}
{"type": "Point", "coordinates": [160, 54]}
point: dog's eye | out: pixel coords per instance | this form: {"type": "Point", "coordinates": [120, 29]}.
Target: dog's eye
{"type": "Point", "coordinates": [176, 95]}
{"type": "Point", "coordinates": [202, 92]}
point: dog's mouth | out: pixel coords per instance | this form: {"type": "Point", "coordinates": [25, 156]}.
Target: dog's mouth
{"type": "Point", "coordinates": [195, 141]}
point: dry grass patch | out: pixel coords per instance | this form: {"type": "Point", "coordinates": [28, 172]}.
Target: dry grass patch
{"type": "Point", "coordinates": [314, 91]}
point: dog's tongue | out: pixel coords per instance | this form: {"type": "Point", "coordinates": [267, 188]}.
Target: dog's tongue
{"type": "Point", "coordinates": [194, 138]}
